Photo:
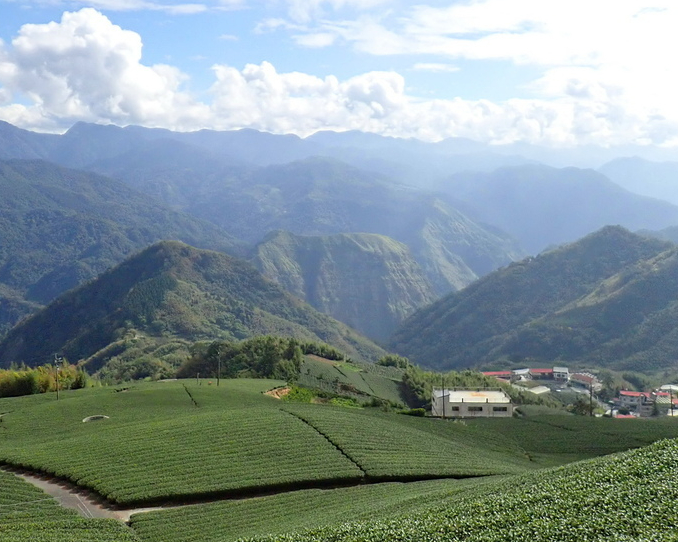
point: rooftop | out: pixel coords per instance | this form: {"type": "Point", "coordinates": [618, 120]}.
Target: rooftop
{"type": "Point", "coordinates": [481, 396]}
{"type": "Point", "coordinates": [497, 373]}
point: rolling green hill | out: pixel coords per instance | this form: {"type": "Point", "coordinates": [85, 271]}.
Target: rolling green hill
{"type": "Point", "coordinates": [367, 281]}
{"type": "Point", "coordinates": [307, 465]}
{"type": "Point", "coordinates": [173, 290]}
{"type": "Point", "coordinates": [629, 496]}
{"type": "Point", "coordinates": [520, 313]}
{"type": "Point", "coordinates": [61, 227]}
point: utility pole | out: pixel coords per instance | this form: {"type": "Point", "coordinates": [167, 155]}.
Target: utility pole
{"type": "Point", "coordinates": [671, 397]}
{"type": "Point", "coordinates": [591, 398]}
{"type": "Point", "coordinates": [218, 365]}
{"type": "Point", "coordinates": [443, 396]}
{"type": "Point", "coordinates": [57, 362]}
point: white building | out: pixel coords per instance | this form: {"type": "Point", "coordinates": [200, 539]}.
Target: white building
{"type": "Point", "coordinates": [561, 374]}
{"type": "Point", "coordinates": [481, 403]}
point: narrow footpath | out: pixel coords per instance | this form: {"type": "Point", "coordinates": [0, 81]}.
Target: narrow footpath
{"type": "Point", "coordinates": [83, 501]}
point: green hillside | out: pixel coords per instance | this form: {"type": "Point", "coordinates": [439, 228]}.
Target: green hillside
{"type": "Point", "coordinates": [361, 381]}
{"type": "Point", "coordinates": [169, 432]}
{"type": "Point", "coordinates": [626, 322]}
{"type": "Point", "coordinates": [250, 464]}
{"type": "Point", "coordinates": [483, 323]}
{"type": "Point", "coordinates": [630, 496]}
{"type": "Point", "coordinates": [171, 290]}
{"type": "Point", "coordinates": [367, 281]}
{"type": "Point", "coordinates": [62, 227]}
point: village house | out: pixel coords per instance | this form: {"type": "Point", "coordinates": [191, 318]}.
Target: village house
{"type": "Point", "coordinates": [645, 403]}
{"type": "Point", "coordinates": [561, 374]}
{"type": "Point", "coordinates": [632, 400]}
{"type": "Point", "coordinates": [501, 375]}
{"type": "Point", "coordinates": [542, 374]}
{"type": "Point", "coordinates": [465, 403]}
{"type": "Point", "coordinates": [586, 380]}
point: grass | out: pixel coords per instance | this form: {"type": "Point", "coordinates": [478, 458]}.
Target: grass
{"type": "Point", "coordinates": [558, 439]}
{"type": "Point", "coordinates": [175, 450]}
{"type": "Point", "coordinates": [387, 446]}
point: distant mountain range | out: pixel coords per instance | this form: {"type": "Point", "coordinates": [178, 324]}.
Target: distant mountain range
{"type": "Point", "coordinates": [172, 290]}
{"type": "Point", "coordinates": [609, 299]}
{"type": "Point", "coordinates": [653, 179]}
{"type": "Point", "coordinates": [541, 206]}
{"type": "Point", "coordinates": [363, 227]}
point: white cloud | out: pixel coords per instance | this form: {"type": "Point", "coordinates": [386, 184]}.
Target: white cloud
{"type": "Point", "coordinates": [304, 11]}
{"type": "Point", "coordinates": [317, 40]}
{"type": "Point", "coordinates": [86, 68]}
{"type": "Point", "coordinates": [435, 67]}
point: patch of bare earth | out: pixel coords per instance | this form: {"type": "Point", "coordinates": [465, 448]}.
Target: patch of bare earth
{"type": "Point", "coordinates": [278, 393]}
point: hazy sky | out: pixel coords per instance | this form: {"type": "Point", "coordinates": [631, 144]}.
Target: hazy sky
{"type": "Point", "coordinates": [542, 71]}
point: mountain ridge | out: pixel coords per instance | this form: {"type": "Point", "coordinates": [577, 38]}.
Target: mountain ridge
{"type": "Point", "coordinates": [173, 290]}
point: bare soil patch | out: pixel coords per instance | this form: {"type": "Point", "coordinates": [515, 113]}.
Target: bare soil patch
{"type": "Point", "coordinates": [278, 393]}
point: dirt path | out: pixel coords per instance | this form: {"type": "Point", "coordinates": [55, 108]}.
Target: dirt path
{"type": "Point", "coordinates": [81, 500]}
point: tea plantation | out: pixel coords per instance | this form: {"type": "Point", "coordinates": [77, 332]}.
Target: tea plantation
{"type": "Point", "coordinates": [252, 465]}
{"type": "Point", "coordinates": [626, 497]}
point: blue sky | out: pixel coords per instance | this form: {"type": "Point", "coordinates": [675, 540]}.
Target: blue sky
{"type": "Point", "coordinates": [557, 73]}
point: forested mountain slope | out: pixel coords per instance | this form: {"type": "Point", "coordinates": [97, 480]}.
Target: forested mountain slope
{"type": "Point", "coordinates": [60, 227]}
{"type": "Point", "coordinates": [542, 308]}
{"type": "Point", "coordinates": [173, 290]}
{"type": "Point", "coordinates": [367, 281]}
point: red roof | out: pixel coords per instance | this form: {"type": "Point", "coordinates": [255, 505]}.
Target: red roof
{"type": "Point", "coordinates": [581, 377]}
{"type": "Point", "coordinates": [629, 393]}
{"type": "Point", "coordinates": [497, 373]}
{"type": "Point", "coordinates": [541, 371]}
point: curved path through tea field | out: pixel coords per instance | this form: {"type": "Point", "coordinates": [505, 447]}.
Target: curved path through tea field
{"type": "Point", "coordinates": [83, 501]}
{"type": "Point", "coordinates": [90, 504]}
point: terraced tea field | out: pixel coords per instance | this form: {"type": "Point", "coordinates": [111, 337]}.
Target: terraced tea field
{"type": "Point", "coordinates": [306, 465]}
{"type": "Point", "coordinates": [629, 496]}
{"type": "Point", "coordinates": [359, 380]}
{"type": "Point", "coordinates": [230, 520]}
{"type": "Point", "coordinates": [385, 448]}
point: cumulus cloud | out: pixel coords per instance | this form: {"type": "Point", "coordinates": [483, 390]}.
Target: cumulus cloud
{"type": "Point", "coordinates": [83, 67]}
{"type": "Point", "coordinates": [86, 68]}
